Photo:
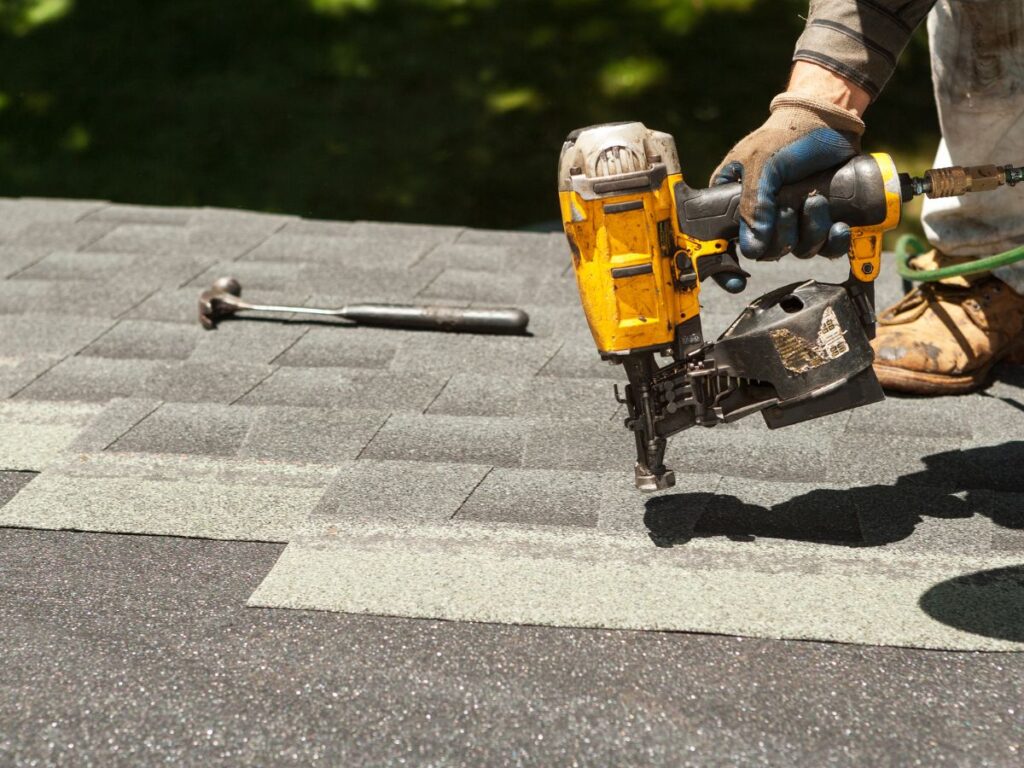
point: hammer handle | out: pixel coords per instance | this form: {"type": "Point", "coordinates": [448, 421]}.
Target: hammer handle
{"type": "Point", "coordinates": [451, 319]}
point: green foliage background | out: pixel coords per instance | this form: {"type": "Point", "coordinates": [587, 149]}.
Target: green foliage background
{"type": "Point", "coordinates": [442, 111]}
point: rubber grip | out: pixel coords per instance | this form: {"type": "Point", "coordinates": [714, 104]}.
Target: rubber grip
{"type": "Point", "coordinates": [855, 192]}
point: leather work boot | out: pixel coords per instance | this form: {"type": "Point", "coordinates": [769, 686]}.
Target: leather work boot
{"type": "Point", "coordinates": [944, 338]}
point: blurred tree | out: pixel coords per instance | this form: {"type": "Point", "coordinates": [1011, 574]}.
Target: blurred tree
{"type": "Point", "coordinates": [447, 111]}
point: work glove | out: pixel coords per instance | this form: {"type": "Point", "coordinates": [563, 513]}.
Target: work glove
{"type": "Point", "coordinates": [802, 137]}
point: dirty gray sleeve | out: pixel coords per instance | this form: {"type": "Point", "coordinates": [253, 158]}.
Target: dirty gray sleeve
{"type": "Point", "coordinates": [860, 39]}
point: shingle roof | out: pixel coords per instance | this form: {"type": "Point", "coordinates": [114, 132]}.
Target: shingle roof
{"type": "Point", "coordinates": [491, 474]}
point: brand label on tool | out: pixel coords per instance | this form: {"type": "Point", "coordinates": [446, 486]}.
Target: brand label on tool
{"type": "Point", "coordinates": [800, 355]}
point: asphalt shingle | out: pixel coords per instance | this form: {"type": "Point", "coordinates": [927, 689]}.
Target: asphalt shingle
{"type": "Point", "coordinates": [310, 435]}
{"type": "Point", "coordinates": [347, 388]}
{"type": "Point", "coordinates": [87, 298]}
{"type": "Point", "coordinates": [547, 497]}
{"type": "Point", "coordinates": [47, 334]}
{"type": "Point", "coordinates": [474, 394]}
{"type": "Point", "coordinates": [213, 381]}
{"type": "Point", "coordinates": [287, 246]}
{"type": "Point", "coordinates": [62, 235]}
{"type": "Point", "coordinates": [470, 440]}
{"type": "Point", "coordinates": [146, 340]}
{"type": "Point", "coordinates": [34, 434]}
{"type": "Point", "coordinates": [89, 379]}
{"type": "Point", "coordinates": [175, 240]}
{"type": "Point", "coordinates": [499, 442]}
{"type": "Point", "coordinates": [189, 428]}
{"type": "Point", "coordinates": [400, 490]}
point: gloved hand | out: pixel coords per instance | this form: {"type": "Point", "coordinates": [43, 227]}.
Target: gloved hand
{"type": "Point", "coordinates": [802, 137]}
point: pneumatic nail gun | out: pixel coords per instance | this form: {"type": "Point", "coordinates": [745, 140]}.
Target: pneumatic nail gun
{"type": "Point", "coordinates": [642, 243]}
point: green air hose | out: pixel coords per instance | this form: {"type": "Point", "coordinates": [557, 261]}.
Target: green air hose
{"type": "Point", "coordinates": [908, 246]}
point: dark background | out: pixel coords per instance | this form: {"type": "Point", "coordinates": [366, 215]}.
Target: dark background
{"type": "Point", "coordinates": [440, 111]}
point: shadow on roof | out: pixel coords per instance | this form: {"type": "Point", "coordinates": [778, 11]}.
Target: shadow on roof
{"type": "Point", "coordinates": [954, 484]}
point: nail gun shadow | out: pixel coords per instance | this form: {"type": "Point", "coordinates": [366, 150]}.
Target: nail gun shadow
{"type": "Point", "coordinates": [954, 484]}
{"type": "Point", "coordinates": [989, 603]}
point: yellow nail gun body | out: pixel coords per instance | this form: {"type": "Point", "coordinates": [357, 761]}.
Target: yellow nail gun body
{"type": "Point", "coordinates": [642, 243]}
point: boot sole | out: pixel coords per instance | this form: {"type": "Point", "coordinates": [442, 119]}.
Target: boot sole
{"type": "Point", "coordinates": [920, 383]}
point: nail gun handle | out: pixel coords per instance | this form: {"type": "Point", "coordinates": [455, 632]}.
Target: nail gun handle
{"type": "Point", "coordinates": [858, 194]}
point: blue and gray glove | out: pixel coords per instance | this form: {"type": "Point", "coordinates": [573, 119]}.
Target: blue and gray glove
{"type": "Point", "coordinates": [803, 136]}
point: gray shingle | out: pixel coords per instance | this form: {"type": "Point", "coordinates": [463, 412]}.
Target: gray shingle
{"type": "Point", "coordinates": [309, 284]}
{"type": "Point", "coordinates": [886, 459]}
{"type": "Point", "coordinates": [141, 214]}
{"type": "Point", "coordinates": [578, 358]}
{"type": "Point", "coordinates": [174, 240]}
{"type": "Point", "coordinates": [789, 455]}
{"type": "Point", "coordinates": [410, 233]}
{"type": "Point", "coordinates": [471, 394]}
{"type": "Point", "coordinates": [916, 417]}
{"type": "Point", "coordinates": [452, 353]}
{"type": "Point", "coordinates": [342, 346]}
{"type": "Point", "coordinates": [12, 482]}
{"type": "Point", "coordinates": [546, 497]}
{"type": "Point", "coordinates": [237, 219]}
{"type": "Point", "coordinates": [338, 251]}
{"type": "Point", "coordinates": [483, 258]}
{"type": "Point", "coordinates": [30, 335]}
{"type": "Point", "coordinates": [347, 388]}
{"type": "Point", "coordinates": [33, 434]}
{"type": "Point", "coordinates": [89, 379]}
{"type": "Point", "coordinates": [989, 414]}
{"type": "Point", "coordinates": [60, 234]}
{"type": "Point", "coordinates": [480, 287]}
{"type": "Point", "coordinates": [197, 382]}
{"type": "Point", "coordinates": [115, 420]}
{"type": "Point", "coordinates": [470, 440]}
{"type": "Point", "coordinates": [310, 435]}
{"type": "Point", "coordinates": [538, 241]}
{"type": "Point", "coordinates": [74, 297]}
{"type": "Point", "coordinates": [15, 258]}
{"type": "Point", "coordinates": [244, 342]}
{"type": "Point", "coordinates": [31, 209]}
{"type": "Point", "coordinates": [580, 444]}
{"type": "Point", "coordinates": [132, 272]}
{"type": "Point", "coordinates": [146, 339]}
{"type": "Point", "coordinates": [189, 428]}
{"type": "Point", "coordinates": [400, 490]}
{"type": "Point", "coordinates": [178, 495]}
{"type": "Point", "coordinates": [317, 228]}
{"type": "Point", "coordinates": [69, 265]}
{"type": "Point", "coordinates": [16, 373]}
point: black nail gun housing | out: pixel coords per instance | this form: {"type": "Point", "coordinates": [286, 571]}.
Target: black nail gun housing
{"type": "Point", "coordinates": [797, 353]}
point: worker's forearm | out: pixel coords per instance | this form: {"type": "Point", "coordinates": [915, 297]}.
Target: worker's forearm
{"type": "Point", "coordinates": [860, 39]}
{"type": "Point", "coordinates": [817, 82]}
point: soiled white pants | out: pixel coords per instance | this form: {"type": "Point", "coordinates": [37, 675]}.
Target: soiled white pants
{"type": "Point", "coordinates": [977, 49]}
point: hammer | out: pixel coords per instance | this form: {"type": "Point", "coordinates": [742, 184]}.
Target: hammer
{"type": "Point", "coordinates": [222, 300]}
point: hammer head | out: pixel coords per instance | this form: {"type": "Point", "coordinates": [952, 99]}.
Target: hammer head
{"type": "Point", "coordinates": [220, 300]}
